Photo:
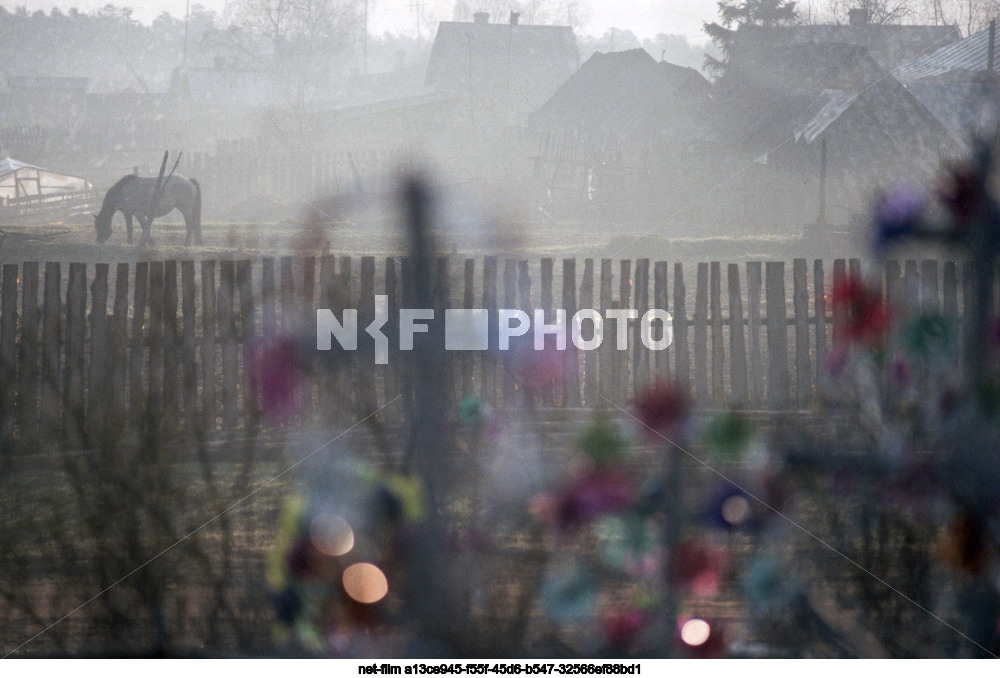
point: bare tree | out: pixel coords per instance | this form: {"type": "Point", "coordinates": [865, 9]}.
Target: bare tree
{"type": "Point", "coordinates": [879, 11]}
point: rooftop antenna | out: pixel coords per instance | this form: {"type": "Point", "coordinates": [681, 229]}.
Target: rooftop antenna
{"type": "Point", "coordinates": [416, 7]}
{"type": "Point", "coordinates": [187, 18]}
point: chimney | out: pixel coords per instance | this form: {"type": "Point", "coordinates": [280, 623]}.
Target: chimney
{"type": "Point", "coordinates": [857, 17]}
{"type": "Point", "coordinates": [481, 17]}
{"type": "Point", "coordinates": [515, 17]}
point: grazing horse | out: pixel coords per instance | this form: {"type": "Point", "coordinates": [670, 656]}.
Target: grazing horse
{"type": "Point", "coordinates": [132, 196]}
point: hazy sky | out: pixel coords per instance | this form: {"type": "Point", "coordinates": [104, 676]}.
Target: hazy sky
{"type": "Point", "coordinates": [645, 18]}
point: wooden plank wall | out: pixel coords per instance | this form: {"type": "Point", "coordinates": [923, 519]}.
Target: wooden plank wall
{"type": "Point", "coordinates": [85, 347]}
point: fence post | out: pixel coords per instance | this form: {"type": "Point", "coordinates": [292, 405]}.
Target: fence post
{"type": "Point", "coordinates": [189, 364]}
{"type": "Point", "coordinates": [571, 385]}
{"type": "Point", "coordinates": [800, 302]}
{"type": "Point", "coordinates": [737, 343]}
{"type": "Point", "coordinates": [137, 343]}
{"type": "Point", "coordinates": [119, 348]}
{"type": "Point", "coordinates": [682, 363]}
{"type": "Point", "coordinates": [819, 304]}
{"type": "Point", "coordinates": [929, 300]}
{"type": "Point", "coordinates": [640, 354]}
{"type": "Point", "coordinates": [98, 381]}
{"type": "Point", "coordinates": [661, 360]}
{"type": "Point", "coordinates": [590, 357]}
{"type": "Point", "coordinates": [488, 361]}
{"type": "Point", "coordinates": [8, 347]}
{"type": "Point", "coordinates": [267, 296]}
{"type": "Point", "coordinates": [76, 334]}
{"type": "Point", "coordinates": [622, 362]}
{"type": "Point", "coordinates": [608, 346]}
{"type": "Point", "coordinates": [777, 336]}
{"type": "Point", "coordinates": [52, 346]}
{"type": "Point", "coordinates": [208, 348]}
{"type": "Point", "coordinates": [701, 335]}
{"type": "Point", "coordinates": [509, 302]}
{"type": "Point", "coordinates": [718, 347]}
{"type": "Point", "coordinates": [244, 287]}
{"type": "Point", "coordinates": [170, 347]}
{"type": "Point", "coordinates": [224, 310]}
{"type": "Point", "coordinates": [754, 360]}
{"type": "Point", "coordinates": [27, 387]}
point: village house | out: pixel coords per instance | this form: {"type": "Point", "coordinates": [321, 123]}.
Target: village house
{"type": "Point", "coordinates": [958, 84]}
{"type": "Point", "coordinates": [619, 122]}
{"type": "Point", "coordinates": [889, 45]}
{"type": "Point", "coordinates": [808, 139]}
{"type": "Point", "coordinates": [502, 71]}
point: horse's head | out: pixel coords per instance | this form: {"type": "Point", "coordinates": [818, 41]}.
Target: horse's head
{"type": "Point", "coordinates": [103, 228]}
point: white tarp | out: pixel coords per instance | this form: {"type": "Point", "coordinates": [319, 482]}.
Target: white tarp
{"type": "Point", "coordinates": [19, 180]}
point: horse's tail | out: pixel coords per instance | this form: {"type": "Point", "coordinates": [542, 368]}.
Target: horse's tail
{"type": "Point", "coordinates": [197, 206]}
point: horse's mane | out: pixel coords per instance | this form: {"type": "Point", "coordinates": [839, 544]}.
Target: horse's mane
{"type": "Point", "coordinates": [111, 198]}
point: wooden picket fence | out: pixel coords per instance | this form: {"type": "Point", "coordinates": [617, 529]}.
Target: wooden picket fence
{"type": "Point", "coordinates": [108, 342]}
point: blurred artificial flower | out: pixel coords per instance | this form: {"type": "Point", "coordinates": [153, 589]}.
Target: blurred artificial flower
{"type": "Point", "coordinates": [866, 317]}
{"type": "Point", "coordinates": [569, 593]}
{"type": "Point", "coordinates": [276, 372]}
{"type": "Point", "coordinates": [661, 408]}
{"type": "Point", "coordinates": [899, 372]}
{"type": "Point", "coordinates": [622, 626]}
{"type": "Point", "coordinates": [768, 586]}
{"type": "Point", "coordinates": [727, 435]}
{"type": "Point", "coordinates": [697, 568]}
{"type": "Point", "coordinates": [963, 545]}
{"type": "Point", "coordinates": [961, 192]}
{"type": "Point", "coordinates": [603, 441]}
{"type": "Point", "coordinates": [471, 410]}
{"type": "Point", "coordinates": [729, 508]}
{"type": "Point", "coordinates": [897, 215]}
{"type": "Point", "coordinates": [930, 334]}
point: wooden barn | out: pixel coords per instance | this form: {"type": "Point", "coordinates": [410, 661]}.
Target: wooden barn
{"type": "Point", "coordinates": [622, 120]}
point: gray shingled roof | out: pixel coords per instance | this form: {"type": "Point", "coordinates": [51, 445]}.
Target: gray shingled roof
{"type": "Point", "coordinates": [520, 66]}
{"type": "Point", "coordinates": [889, 45]}
{"type": "Point", "coordinates": [619, 93]}
{"type": "Point", "coordinates": [969, 54]}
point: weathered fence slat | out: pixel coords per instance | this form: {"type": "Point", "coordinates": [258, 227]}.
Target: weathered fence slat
{"type": "Point", "coordinates": [171, 357]}
{"type": "Point", "coordinates": [701, 335]}
{"type": "Point", "coordinates": [571, 390]}
{"type": "Point", "coordinates": [800, 308]}
{"type": "Point", "coordinates": [8, 349]}
{"type": "Point", "coordinates": [53, 343]}
{"type": "Point", "coordinates": [590, 357]}
{"type": "Point", "coordinates": [754, 360]}
{"type": "Point", "coordinates": [189, 347]}
{"type": "Point", "coordinates": [640, 354]}
{"type": "Point", "coordinates": [819, 304]}
{"type": "Point", "coordinates": [27, 382]}
{"type": "Point", "coordinates": [661, 359]}
{"type": "Point", "coordinates": [718, 347]}
{"type": "Point", "coordinates": [737, 341]}
{"type": "Point", "coordinates": [777, 336]}
{"type": "Point", "coordinates": [99, 368]}
{"type": "Point", "coordinates": [681, 360]}
{"type": "Point", "coordinates": [76, 333]}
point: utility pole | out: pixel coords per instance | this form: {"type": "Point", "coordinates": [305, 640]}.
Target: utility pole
{"type": "Point", "coordinates": [364, 65]}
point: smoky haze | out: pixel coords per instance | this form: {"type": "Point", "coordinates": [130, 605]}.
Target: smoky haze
{"type": "Point", "coordinates": [537, 134]}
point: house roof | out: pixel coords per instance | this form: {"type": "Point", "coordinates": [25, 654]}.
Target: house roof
{"type": "Point", "coordinates": [515, 66]}
{"type": "Point", "coordinates": [969, 55]}
{"type": "Point", "coordinates": [889, 45]}
{"type": "Point", "coordinates": [620, 92]}
{"type": "Point", "coordinates": [228, 87]}
{"type": "Point", "coordinates": [814, 91]}
{"type": "Point", "coordinates": [963, 107]}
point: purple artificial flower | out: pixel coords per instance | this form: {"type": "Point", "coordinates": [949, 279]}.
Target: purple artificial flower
{"type": "Point", "coordinates": [897, 214]}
